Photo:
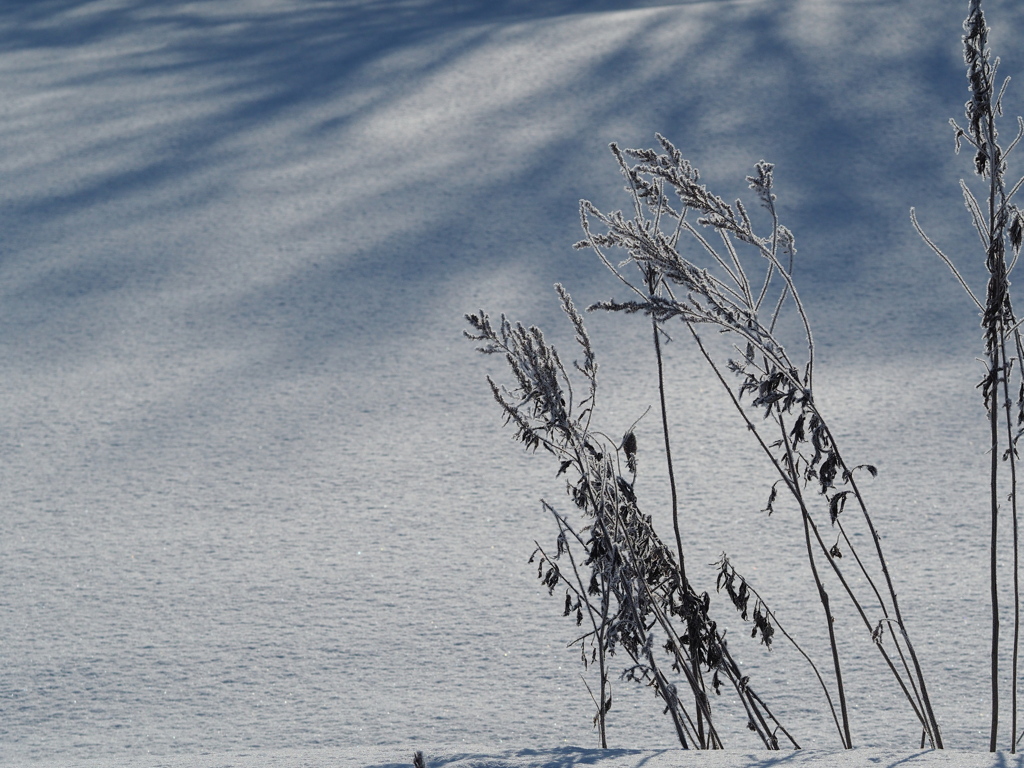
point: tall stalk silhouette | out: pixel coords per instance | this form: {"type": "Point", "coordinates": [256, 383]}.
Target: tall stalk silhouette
{"type": "Point", "coordinates": [636, 595]}
{"type": "Point", "coordinates": [704, 265]}
{"type": "Point", "coordinates": [742, 289]}
{"type": "Point", "coordinates": [1000, 227]}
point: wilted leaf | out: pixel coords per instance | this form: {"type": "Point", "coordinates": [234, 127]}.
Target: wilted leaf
{"type": "Point", "coordinates": [837, 504]}
{"type": "Point", "coordinates": [629, 446]}
{"type": "Point", "coordinates": [771, 499]}
{"type": "Point", "coordinates": [1016, 232]}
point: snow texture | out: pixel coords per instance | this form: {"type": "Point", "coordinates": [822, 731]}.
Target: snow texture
{"type": "Point", "coordinates": [258, 507]}
{"type": "Point", "coordinates": [565, 757]}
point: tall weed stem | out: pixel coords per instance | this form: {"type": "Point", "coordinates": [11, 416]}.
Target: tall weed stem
{"type": "Point", "coordinates": [999, 224]}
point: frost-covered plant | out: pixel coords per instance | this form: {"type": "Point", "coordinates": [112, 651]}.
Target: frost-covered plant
{"type": "Point", "coordinates": [702, 263]}
{"type": "Point", "coordinates": [742, 288]}
{"type": "Point", "coordinates": [636, 595]}
{"type": "Point", "coordinates": [1000, 226]}
{"type": "Point", "coordinates": [617, 574]}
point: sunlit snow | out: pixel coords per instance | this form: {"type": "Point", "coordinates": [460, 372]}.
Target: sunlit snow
{"type": "Point", "coordinates": [258, 504]}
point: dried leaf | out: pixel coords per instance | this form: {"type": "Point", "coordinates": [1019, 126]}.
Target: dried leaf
{"type": "Point", "coordinates": [836, 505]}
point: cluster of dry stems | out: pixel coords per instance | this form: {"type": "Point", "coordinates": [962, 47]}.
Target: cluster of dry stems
{"type": "Point", "coordinates": [696, 261]}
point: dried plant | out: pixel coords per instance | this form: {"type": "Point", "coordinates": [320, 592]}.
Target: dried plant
{"type": "Point", "coordinates": [618, 575]}
{"type": "Point", "coordinates": [635, 584]}
{"type": "Point", "coordinates": [743, 287]}
{"type": "Point", "coordinates": [999, 224]}
{"type": "Point", "coordinates": [701, 262]}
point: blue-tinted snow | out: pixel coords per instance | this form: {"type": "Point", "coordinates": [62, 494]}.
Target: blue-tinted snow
{"type": "Point", "coordinates": [255, 493]}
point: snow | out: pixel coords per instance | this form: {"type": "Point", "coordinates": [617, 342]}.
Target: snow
{"type": "Point", "coordinates": [567, 757]}
{"type": "Point", "coordinates": [257, 504]}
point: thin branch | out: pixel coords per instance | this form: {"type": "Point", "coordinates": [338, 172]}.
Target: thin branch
{"type": "Point", "coordinates": [948, 262]}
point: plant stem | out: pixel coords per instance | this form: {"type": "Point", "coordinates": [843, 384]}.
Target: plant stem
{"type": "Point", "coordinates": [599, 627]}
{"type": "Point", "coordinates": [822, 594]}
{"type": "Point", "coordinates": [665, 432]}
{"type": "Point", "coordinates": [651, 280]}
{"type": "Point", "coordinates": [1012, 459]}
{"type": "Point", "coordinates": [1016, 537]}
{"type": "Point", "coordinates": [800, 650]}
{"type": "Point", "coordinates": [931, 724]}
{"type": "Point", "coordinates": [993, 583]}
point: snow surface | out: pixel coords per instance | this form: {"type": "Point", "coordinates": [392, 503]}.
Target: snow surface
{"type": "Point", "coordinates": [566, 757]}
{"type": "Point", "coordinates": [257, 504]}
